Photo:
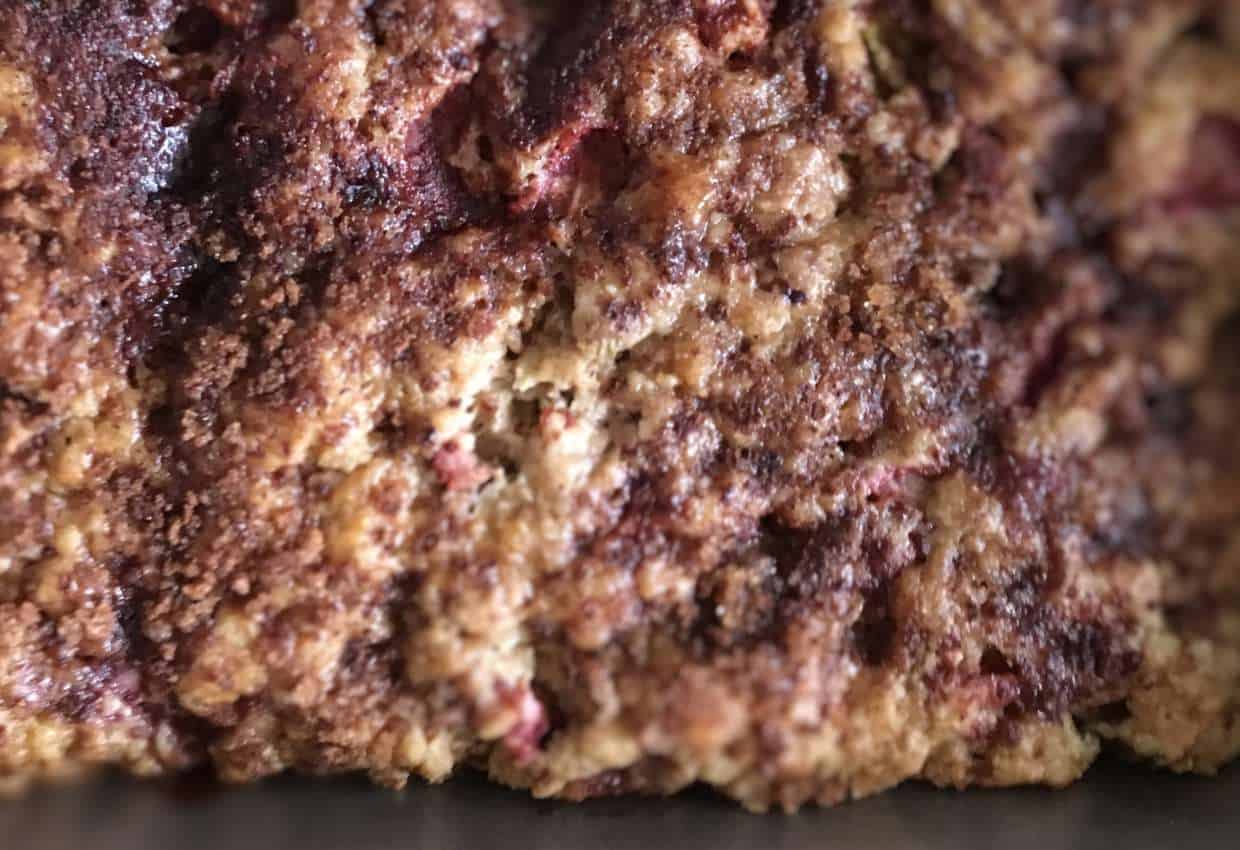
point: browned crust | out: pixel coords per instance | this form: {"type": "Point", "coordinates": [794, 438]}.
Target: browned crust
{"type": "Point", "coordinates": [792, 397]}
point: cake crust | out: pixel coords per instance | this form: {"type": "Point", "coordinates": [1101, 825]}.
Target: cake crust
{"type": "Point", "coordinates": [794, 397]}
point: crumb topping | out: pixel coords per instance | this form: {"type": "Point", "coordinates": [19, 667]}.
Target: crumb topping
{"type": "Point", "coordinates": [793, 396]}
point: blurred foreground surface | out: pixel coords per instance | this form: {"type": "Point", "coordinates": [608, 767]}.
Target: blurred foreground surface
{"type": "Point", "coordinates": [1116, 807]}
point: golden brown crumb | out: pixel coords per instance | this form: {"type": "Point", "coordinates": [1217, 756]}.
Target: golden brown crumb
{"type": "Point", "coordinates": [796, 397]}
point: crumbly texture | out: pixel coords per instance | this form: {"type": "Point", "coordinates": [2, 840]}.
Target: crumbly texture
{"type": "Point", "coordinates": [794, 397]}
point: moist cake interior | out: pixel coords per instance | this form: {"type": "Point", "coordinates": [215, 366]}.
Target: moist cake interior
{"type": "Point", "coordinates": [793, 397]}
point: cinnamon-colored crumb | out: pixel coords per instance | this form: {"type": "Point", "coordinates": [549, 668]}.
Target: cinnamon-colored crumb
{"type": "Point", "coordinates": [795, 397]}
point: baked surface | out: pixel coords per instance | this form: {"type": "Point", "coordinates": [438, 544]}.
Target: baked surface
{"type": "Point", "coordinates": [796, 397]}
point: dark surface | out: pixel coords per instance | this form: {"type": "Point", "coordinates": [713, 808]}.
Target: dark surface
{"type": "Point", "coordinates": [1118, 807]}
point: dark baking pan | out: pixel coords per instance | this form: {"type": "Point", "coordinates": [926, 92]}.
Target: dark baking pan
{"type": "Point", "coordinates": [1116, 807]}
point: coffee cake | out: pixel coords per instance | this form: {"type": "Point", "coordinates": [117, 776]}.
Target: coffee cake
{"type": "Point", "coordinates": [793, 397]}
